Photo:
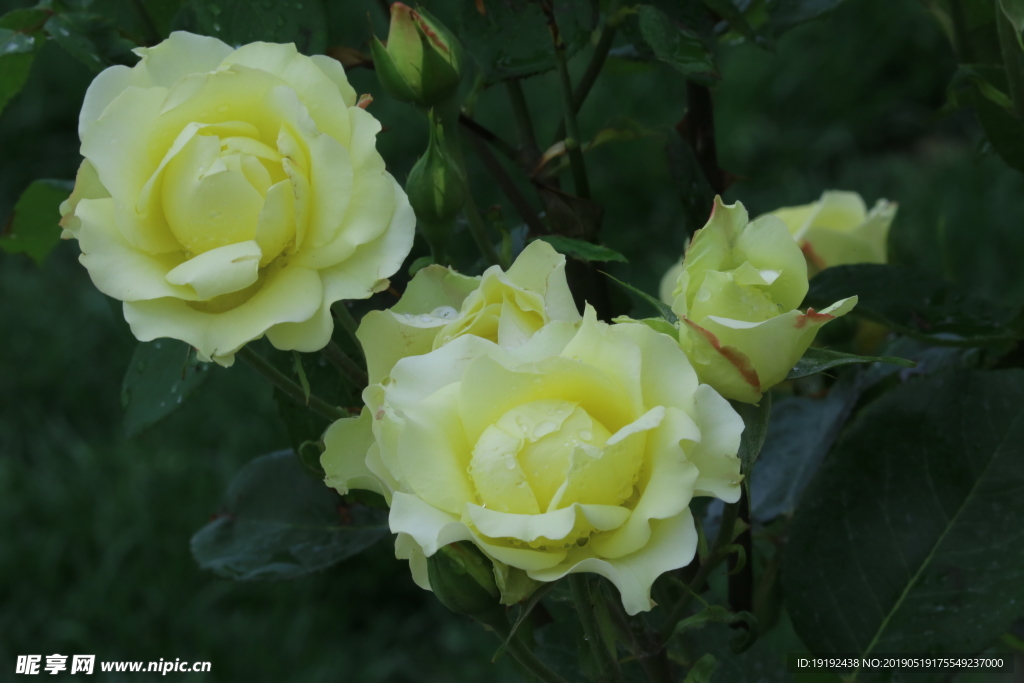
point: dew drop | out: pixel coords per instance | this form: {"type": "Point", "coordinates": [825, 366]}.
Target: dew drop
{"type": "Point", "coordinates": [446, 312]}
{"type": "Point", "coordinates": [510, 463]}
{"type": "Point", "coordinates": [426, 318]}
{"type": "Point", "coordinates": [586, 435]}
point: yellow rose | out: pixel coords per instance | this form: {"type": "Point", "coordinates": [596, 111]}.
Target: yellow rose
{"type": "Point", "coordinates": [736, 298]}
{"type": "Point", "coordinates": [440, 304]}
{"type": "Point", "coordinates": [838, 229]}
{"type": "Point", "coordinates": [227, 194]}
{"type": "Point", "coordinates": [578, 450]}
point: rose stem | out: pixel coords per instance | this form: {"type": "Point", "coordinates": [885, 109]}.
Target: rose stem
{"type": "Point", "coordinates": [290, 388]}
{"type": "Point", "coordinates": [524, 124]}
{"type": "Point", "coordinates": [479, 232]}
{"type": "Point", "coordinates": [344, 316]}
{"type": "Point", "coordinates": [601, 50]}
{"type": "Point", "coordinates": [344, 365]}
{"type": "Point", "coordinates": [651, 656]}
{"type": "Point", "coordinates": [507, 185]}
{"type": "Point", "coordinates": [584, 602]}
{"type": "Point", "coordinates": [715, 558]}
{"type": "Point", "coordinates": [490, 136]}
{"type": "Point", "coordinates": [572, 142]}
{"type": "Point", "coordinates": [531, 663]}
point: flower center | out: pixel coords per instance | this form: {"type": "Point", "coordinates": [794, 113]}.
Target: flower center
{"type": "Point", "coordinates": [221, 185]}
{"type": "Point", "coordinates": [548, 454]}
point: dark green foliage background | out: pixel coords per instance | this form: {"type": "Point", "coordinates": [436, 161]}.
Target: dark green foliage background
{"type": "Point", "coordinates": [94, 555]}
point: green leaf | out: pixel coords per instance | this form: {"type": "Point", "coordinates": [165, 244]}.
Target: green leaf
{"type": "Point", "coordinates": [33, 228]}
{"type": "Point", "coordinates": [20, 40]}
{"type": "Point", "coordinates": [801, 431]}
{"type": "Point", "coordinates": [785, 14]}
{"type": "Point", "coordinates": [512, 39]}
{"type": "Point", "coordinates": [238, 22]}
{"type": "Point", "coordinates": [913, 302]}
{"type": "Point", "coordinates": [678, 47]}
{"type": "Point", "coordinates": [755, 428]}
{"type": "Point", "coordinates": [280, 523]}
{"type": "Point", "coordinates": [1004, 131]}
{"type": "Point", "coordinates": [817, 360]}
{"type": "Point", "coordinates": [658, 304]}
{"type": "Point", "coordinates": [718, 614]}
{"type": "Point", "coordinates": [525, 610]}
{"type": "Point", "coordinates": [731, 13]}
{"type": "Point", "coordinates": [911, 537]}
{"type": "Point", "coordinates": [90, 38]}
{"type": "Point", "coordinates": [701, 670]}
{"type": "Point", "coordinates": [582, 249]}
{"type": "Point", "coordinates": [161, 375]}
{"type": "Point", "coordinates": [1013, 10]}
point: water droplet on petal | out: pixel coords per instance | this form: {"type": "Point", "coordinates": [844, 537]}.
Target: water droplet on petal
{"type": "Point", "coordinates": [586, 434]}
{"type": "Point", "coordinates": [446, 312]}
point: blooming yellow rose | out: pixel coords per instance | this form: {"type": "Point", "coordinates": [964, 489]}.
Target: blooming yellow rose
{"type": "Point", "coordinates": [578, 450]}
{"type": "Point", "coordinates": [838, 229]}
{"type": "Point", "coordinates": [227, 194]}
{"type": "Point", "coordinates": [440, 304]}
{"type": "Point", "coordinates": [736, 298]}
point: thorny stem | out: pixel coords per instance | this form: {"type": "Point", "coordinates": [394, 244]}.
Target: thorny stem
{"type": "Point", "coordinates": [532, 663]}
{"type": "Point", "coordinates": [583, 600]}
{"type": "Point", "coordinates": [698, 129]}
{"type": "Point", "coordinates": [344, 365]}
{"type": "Point", "coordinates": [741, 584]}
{"type": "Point", "coordinates": [479, 232]}
{"type": "Point", "coordinates": [572, 141]}
{"type": "Point", "coordinates": [490, 136]}
{"type": "Point", "coordinates": [288, 387]}
{"type": "Point", "coordinates": [729, 515]}
{"type": "Point", "coordinates": [524, 124]}
{"type": "Point", "coordinates": [344, 316]}
{"type": "Point", "coordinates": [507, 185]}
{"type": "Point", "coordinates": [651, 658]}
{"type": "Point", "coordinates": [601, 50]}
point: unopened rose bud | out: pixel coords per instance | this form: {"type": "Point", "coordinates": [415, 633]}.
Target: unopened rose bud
{"type": "Point", "coordinates": [436, 191]}
{"type": "Point", "coordinates": [463, 580]}
{"type": "Point", "coordinates": [421, 61]}
{"type": "Point", "coordinates": [737, 296]}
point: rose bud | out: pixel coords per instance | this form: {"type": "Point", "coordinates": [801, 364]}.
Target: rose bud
{"type": "Point", "coordinates": [421, 61]}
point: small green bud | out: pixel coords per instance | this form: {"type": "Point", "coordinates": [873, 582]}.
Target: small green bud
{"type": "Point", "coordinates": [436, 190]}
{"type": "Point", "coordinates": [421, 61]}
{"type": "Point", "coordinates": [463, 580]}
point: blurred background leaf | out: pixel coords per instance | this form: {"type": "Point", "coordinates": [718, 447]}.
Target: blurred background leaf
{"type": "Point", "coordinates": [32, 228]}
{"type": "Point", "coordinates": [278, 522]}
